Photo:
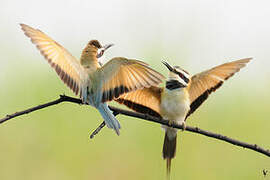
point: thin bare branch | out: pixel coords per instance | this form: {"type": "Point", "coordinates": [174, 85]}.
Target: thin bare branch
{"type": "Point", "coordinates": [116, 111]}
{"type": "Point", "coordinates": [62, 98]}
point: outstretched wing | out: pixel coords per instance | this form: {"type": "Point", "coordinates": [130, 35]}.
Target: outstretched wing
{"type": "Point", "coordinates": [121, 75]}
{"type": "Point", "coordinates": [206, 82]}
{"type": "Point", "coordinates": [67, 67]}
{"type": "Point", "coordinates": [146, 101]}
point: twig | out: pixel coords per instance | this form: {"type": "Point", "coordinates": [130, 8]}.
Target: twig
{"type": "Point", "coordinates": [197, 130]}
{"type": "Point", "coordinates": [62, 98]}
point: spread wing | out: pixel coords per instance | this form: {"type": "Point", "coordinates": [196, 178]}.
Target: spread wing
{"type": "Point", "coordinates": [146, 101]}
{"type": "Point", "coordinates": [121, 75]}
{"type": "Point", "coordinates": [206, 82]}
{"type": "Point", "coordinates": [67, 67]}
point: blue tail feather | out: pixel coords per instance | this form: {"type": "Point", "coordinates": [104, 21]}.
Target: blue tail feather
{"type": "Point", "coordinates": [109, 118]}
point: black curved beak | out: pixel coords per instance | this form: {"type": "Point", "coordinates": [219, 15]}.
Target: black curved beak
{"type": "Point", "coordinates": [107, 46]}
{"type": "Point", "coordinates": [103, 49]}
{"type": "Point", "coordinates": [168, 66]}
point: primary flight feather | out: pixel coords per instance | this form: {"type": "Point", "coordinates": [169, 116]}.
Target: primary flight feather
{"type": "Point", "coordinates": [95, 84]}
{"type": "Point", "coordinates": [181, 96]}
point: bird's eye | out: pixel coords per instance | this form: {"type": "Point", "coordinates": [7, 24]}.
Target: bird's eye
{"type": "Point", "coordinates": [181, 75]}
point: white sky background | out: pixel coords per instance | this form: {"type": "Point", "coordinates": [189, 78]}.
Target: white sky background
{"type": "Point", "coordinates": [193, 34]}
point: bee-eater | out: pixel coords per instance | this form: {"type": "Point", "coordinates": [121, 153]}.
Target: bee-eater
{"type": "Point", "coordinates": [181, 96]}
{"type": "Point", "coordinates": [94, 83]}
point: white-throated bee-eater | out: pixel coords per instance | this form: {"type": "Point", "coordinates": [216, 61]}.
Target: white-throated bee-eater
{"type": "Point", "coordinates": [182, 95]}
{"type": "Point", "coordinates": [95, 84]}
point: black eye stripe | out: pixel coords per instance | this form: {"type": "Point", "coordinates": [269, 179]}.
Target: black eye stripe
{"type": "Point", "coordinates": [182, 76]}
{"type": "Point", "coordinates": [174, 84]}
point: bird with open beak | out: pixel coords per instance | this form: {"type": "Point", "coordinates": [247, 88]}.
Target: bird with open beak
{"type": "Point", "coordinates": [95, 84]}
{"type": "Point", "coordinates": [180, 97]}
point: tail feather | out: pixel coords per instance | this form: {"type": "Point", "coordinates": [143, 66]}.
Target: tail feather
{"type": "Point", "coordinates": [109, 118]}
{"type": "Point", "coordinates": [169, 148]}
{"type": "Point", "coordinates": [169, 160]}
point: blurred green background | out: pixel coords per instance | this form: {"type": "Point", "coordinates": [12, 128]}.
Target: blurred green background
{"type": "Point", "coordinates": [54, 143]}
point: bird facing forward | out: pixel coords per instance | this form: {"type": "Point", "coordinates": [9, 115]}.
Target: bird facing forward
{"type": "Point", "coordinates": [96, 85]}
{"type": "Point", "coordinates": [181, 96]}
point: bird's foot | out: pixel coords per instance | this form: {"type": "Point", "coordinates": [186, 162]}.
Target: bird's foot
{"type": "Point", "coordinates": [170, 123]}
{"type": "Point", "coordinates": [184, 126]}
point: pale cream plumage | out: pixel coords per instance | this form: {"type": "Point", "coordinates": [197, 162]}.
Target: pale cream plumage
{"type": "Point", "coordinates": [181, 97]}
{"type": "Point", "coordinates": [95, 84]}
{"type": "Point", "coordinates": [132, 74]}
{"type": "Point", "coordinates": [204, 82]}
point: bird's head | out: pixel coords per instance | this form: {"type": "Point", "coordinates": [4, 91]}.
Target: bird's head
{"type": "Point", "coordinates": [95, 46]}
{"type": "Point", "coordinates": [178, 74]}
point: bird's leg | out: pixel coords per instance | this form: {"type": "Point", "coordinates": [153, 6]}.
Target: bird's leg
{"type": "Point", "coordinates": [184, 125]}
{"type": "Point", "coordinates": [96, 131]}
{"type": "Point", "coordinates": [170, 122]}
{"type": "Point", "coordinates": [99, 128]}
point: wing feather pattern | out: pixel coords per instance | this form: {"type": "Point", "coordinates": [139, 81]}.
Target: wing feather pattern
{"type": "Point", "coordinates": [66, 66]}
{"type": "Point", "coordinates": [146, 101]}
{"type": "Point", "coordinates": [121, 75]}
{"type": "Point", "coordinates": [206, 82]}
